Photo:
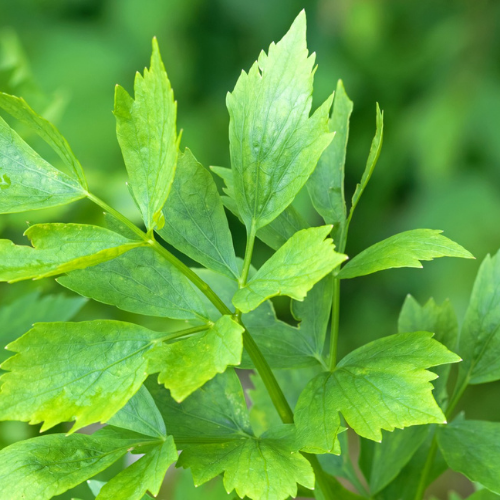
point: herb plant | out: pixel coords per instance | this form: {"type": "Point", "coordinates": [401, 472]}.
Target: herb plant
{"type": "Point", "coordinates": [159, 392]}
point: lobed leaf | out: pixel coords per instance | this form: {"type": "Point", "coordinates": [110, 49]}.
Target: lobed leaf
{"type": "Point", "coordinates": [381, 385]}
{"type": "Point", "coordinates": [146, 474]}
{"type": "Point", "coordinates": [19, 109]}
{"type": "Point", "coordinates": [292, 270]}
{"type": "Point", "coordinates": [279, 230]}
{"type": "Point", "coordinates": [261, 468]}
{"type": "Point", "coordinates": [84, 372]}
{"type": "Point", "coordinates": [142, 282]}
{"type": "Point", "coordinates": [403, 250]}
{"type": "Point", "coordinates": [326, 184]}
{"type": "Point", "coordinates": [46, 466]}
{"type": "Point", "coordinates": [186, 365]}
{"type": "Point", "coordinates": [27, 181]}
{"type": "Point", "coordinates": [480, 337]}
{"type": "Point", "coordinates": [59, 248]}
{"type": "Point", "coordinates": [147, 133]}
{"type": "Point", "coordinates": [471, 447]}
{"type": "Point", "coordinates": [274, 143]}
{"type": "Point", "coordinates": [195, 222]}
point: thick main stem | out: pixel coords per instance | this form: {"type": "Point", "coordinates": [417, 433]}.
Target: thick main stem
{"type": "Point", "coordinates": [334, 334]}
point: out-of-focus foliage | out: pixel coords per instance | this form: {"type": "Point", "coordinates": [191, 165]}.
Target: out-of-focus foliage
{"type": "Point", "coordinates": [431, 64]}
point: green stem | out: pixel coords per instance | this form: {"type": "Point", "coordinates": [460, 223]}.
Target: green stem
{"type": "Point", "coordinates": [248, 255]}
{"type": "Point", "coordinates": [184, 333]}
{"type": "Point", "coordinates": [334, 334]}
{"type": "Point", "coordinates": [267, 376]}
{"type": "Point", "coordinates": [458, 393]}
{"type": "Point", "coordinates": [150, 241]}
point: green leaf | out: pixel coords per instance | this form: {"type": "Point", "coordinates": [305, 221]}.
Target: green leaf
{"type": "Point", "coordinates": [283, 345]}
{"type": "Point", "coordinates": [393, 453]}
{"type": "Point", "coordinates": [217, 410]}
{"type": "Point", "coordinates": [279, 230]}
{"type": "Point", "coordinates": [147, 473]}
{"type": "Point", "coordinates": [274, 143]}
{"type": "Point", "coordinates": [381, 385]}
{"type": "Point", "coordinates": [27, 181]}
{"type": "Point", "coordinates": [59, 248]}
{"type": "Point", "coordinates": [19, 109]}
{"type": "Point", "coordinates": [373, 156]}
{"type": "Point", "coordinates": [260, 468]}
{"type": "Point", "coordinates": [18, 317]}
{"type": "Point", "coordinates": [326, 185]}
{"type": "Point", "coordinates": [146, 130]}
{"type": "Point", "coordinates": [74, 371]}
{"type": "Point", "coordinates": [46, 466]}
{"type": "Point", "coordinates": [403, 250]}
{"type": "Point", "coordinates": [292, 270]}
{"type": "Point", "coordinates": [186, 365]}
{"type": "Point", "coordinates": [141, 415]}
{"type": "Point", "coordinates": [142, 282]}
{"type": "Point", "coordinates": [195, 222]}
{"type": "Point", "coordinates": [184, 488]}
{"type": "Point", "coordinates": [438, 319]}
{"type": "Point", "coordinates": [480, 337]}
{"type": "Point", "coordinates": [471, 447]}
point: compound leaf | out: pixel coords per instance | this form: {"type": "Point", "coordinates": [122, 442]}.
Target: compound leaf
{"type": "Point", "coordinates": [19, 109]}
{"type": "Point", "coordinates": [147, 133]}
{"type": "Point", "coordinates": [480, 336]}
{"type": "Point", "coordinates": [46, 466]}
{"type": "Point", "coordinates": [326, 184]}
{"type": "Point", "coordinates": [216, 410]}
{"type": "Point", "coordinates": [293, 270]}
{"type": "Point", "coordinates": [274, 143]}
{"type": "Point", "coordinates": [186, 365]}
{"type": "Point", "coordinates": [260, 468]}
{"type": "Point", "coordinates": [146, 474]}
{"type": "Point", "coordinates": [27, 181]}
{"type": "Point", "coordinates": [59, 248]}
{"type": "Point", "coordinates": [142, 282]}
{"type": "Point", "coordinates": [141, 415]}
{"type": "Point", "coordinates": [74, 371]}
{"type": "Point", "coordinates": [471, 447]}
{"type": "Point", "coordinates": [195, 222]}
{"type": "Point", "coordinates": [381, 385]}
{"type": "Point", "coordinates": [403, 250]}
{"type": "Point", "coordinates": [279, 230]}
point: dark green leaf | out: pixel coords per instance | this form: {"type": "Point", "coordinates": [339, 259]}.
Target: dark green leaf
{"type": "Point", "coordinates": [480, 337]}
{"type": "Point", "coordinates": [326, 185]}
{"type": "Point", "coordinates": [195, 222]}
{"type": "Point", "coordinates": [472, 448]}
{"type": "Point", "coordinates": [142, 282]}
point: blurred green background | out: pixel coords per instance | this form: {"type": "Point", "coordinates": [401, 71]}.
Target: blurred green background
{"type": "Point", "coordinates": [433, 65]}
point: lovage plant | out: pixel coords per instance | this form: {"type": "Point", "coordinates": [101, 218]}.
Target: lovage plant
{"type": "Point", "coordinates": [160, 392]}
